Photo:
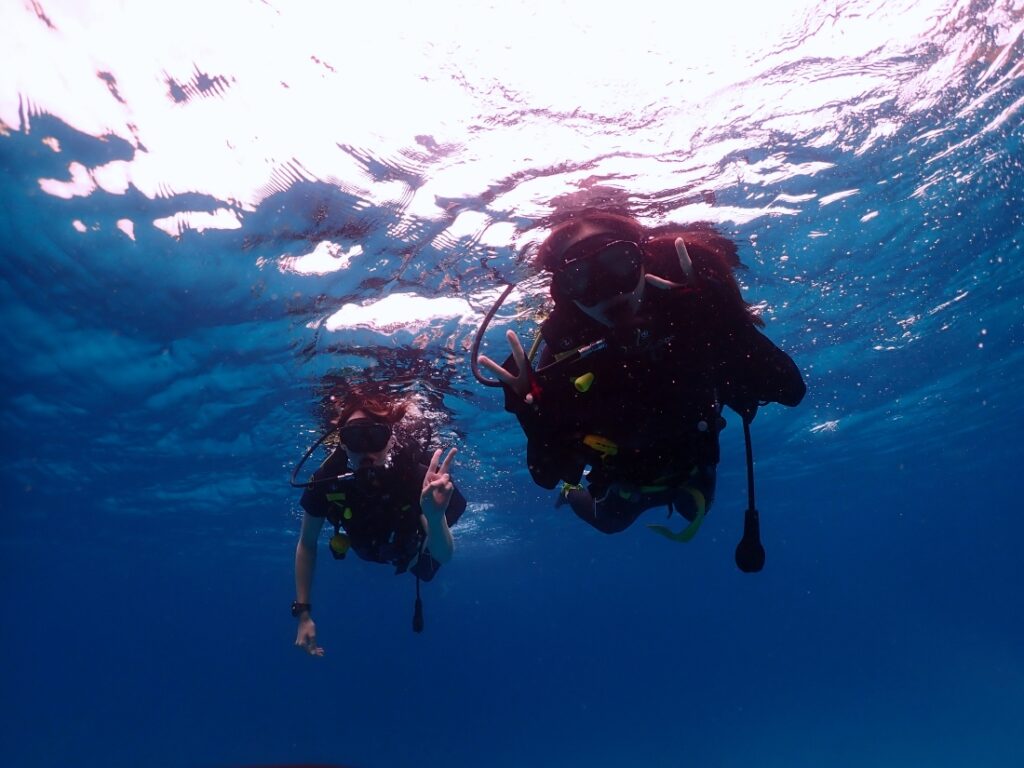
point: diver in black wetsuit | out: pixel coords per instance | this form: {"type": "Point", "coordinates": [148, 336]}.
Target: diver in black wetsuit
{"type": "Point", "coordinates": [392, 507]}
{"type": "Point", "coordinates": [648, 339]}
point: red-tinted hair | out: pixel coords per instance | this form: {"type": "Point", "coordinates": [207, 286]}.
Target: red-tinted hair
{"type": "Point", "coordinates": [379, 405]}
{"type": "Point", "coordinates": [592, 228]}
{"type": "Point", "coordinates": [714, 257]}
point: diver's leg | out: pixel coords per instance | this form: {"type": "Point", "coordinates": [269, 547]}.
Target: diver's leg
{"type": "Point", "coordinates": [609, 514]}
{"type": "Point", "coordinates": [684, 503]}
{"type": "Point", "coordinates": [705, 483]}
{"type": "Point", "coordinates": [696, 493]}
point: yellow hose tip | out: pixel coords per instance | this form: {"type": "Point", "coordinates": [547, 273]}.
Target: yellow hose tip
{"type": "Point", "coordinates": [582, 383]}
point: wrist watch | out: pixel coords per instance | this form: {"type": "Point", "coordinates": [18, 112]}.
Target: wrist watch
{"type": "Point", "coordinates": [298, 608]}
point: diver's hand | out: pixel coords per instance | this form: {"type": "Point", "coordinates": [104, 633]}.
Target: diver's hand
{"type": "Point", "coordinates": [685, 264]}
{"type": "Point", "coordinates": [517, 382]}
{"type": "Point", "coordinates": [305, 637]}
{"type": "Point", "coordinates": [437, 485]}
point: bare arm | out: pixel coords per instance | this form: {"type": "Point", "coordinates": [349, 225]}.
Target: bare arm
{"type": "Point", "coordinates": [437, 492]}
{"type": "Point", "coordinates": [305, 565]}
{"type": "Point", "coordinates": [757, 371]}
{"type": "Point", "coordinates": [440, 543]}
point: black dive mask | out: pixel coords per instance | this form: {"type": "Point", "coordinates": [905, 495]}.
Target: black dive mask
{"type": "Point", "coordinates": [365, 436]}
{"type": "Point", "coordinates": [612, 270]}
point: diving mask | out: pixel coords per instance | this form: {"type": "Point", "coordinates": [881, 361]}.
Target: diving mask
{"type": "Point", "coordinates": [365, 435]}
{"type": "Point", "coordinates": [612, 270]}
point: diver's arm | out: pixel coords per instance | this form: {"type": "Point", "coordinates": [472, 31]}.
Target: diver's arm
{"type": "Point", "coordinates": [440, 543]}
{"type": "Point", "coordinates": [305, 564]}
{"type": "Point", "coordinates": [434, 499]}
{"type": "Point", "coordinates": [305, 557]}
{"type": "Point", "coordinates": [758, 371]}
{"type": "Point", "coordinates": [540, 410]}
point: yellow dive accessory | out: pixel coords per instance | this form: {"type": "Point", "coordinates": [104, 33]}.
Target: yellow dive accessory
{"type": "Point", "coordinates": [582, 383]}
{"type": "Point", "coordinates": [534, 346]}
{"type": "Point", "coordinates": [337, 499]}
{"type": "Point", "coordinates": [563, 493]}
{"type": "Point", "coordinates": [690, 530]}
{"type": "Point", "coordinates": [602, 445]}
{"type": "Point", "coordinates": [339, 545]}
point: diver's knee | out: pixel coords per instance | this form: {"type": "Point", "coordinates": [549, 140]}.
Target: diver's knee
{"type": "Point", "coordinates": [582, 503]}
{"type": "Point", "coordinates": [610, 526]}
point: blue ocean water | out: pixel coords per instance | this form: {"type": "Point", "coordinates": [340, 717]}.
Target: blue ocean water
{"type": "Point", "coordinates": [211, 218]}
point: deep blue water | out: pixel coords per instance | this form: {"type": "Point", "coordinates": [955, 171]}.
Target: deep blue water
{"type": "Point", "coordinates": [159, 387]}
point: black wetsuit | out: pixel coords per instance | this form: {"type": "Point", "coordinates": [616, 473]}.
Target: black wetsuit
{"type": "Point", "coordinates": [654, 393]}
{"type": "Point", "coordinates": [379, 510]}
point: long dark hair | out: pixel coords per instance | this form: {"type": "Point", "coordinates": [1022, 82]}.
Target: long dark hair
{"type": "Point", "coordinates": [714, 258]}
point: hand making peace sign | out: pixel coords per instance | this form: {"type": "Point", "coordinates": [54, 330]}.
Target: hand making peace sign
{"type": "Point", "coordinates": [437, 485]}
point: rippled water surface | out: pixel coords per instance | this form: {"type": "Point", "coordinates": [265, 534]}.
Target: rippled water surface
{"type": "Point", "coordinates": [217, 214]}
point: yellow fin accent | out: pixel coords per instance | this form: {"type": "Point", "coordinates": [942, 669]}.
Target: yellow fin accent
{"type": "Point", "coordinates": [339, 544]}
{"type": "Point", "coordinates": [690, 530]}
{"type": "Point", "coordinates": [582, 383]}
{"type": "Point", "coordinates": [602, 445]}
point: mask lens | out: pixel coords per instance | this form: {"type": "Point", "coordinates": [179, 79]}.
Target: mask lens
{"type": "Point", "coordinates": [365, 436]}
{"type": "Point", "coordinates": [610, 271]}
{"type": "Point", "coordinates": [574, 279]}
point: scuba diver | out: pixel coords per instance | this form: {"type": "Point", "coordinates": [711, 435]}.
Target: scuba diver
{"type": "Point", "coordinates": [648, 339]}
{"type": "Point", "coordinates": [383, 501]}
